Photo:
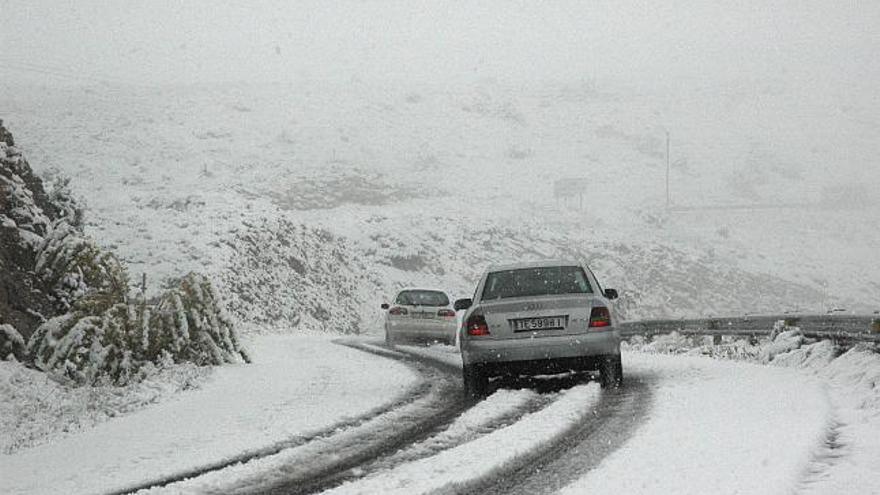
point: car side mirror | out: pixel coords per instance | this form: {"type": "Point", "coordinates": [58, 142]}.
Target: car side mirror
{"type": "Point", "coordinates": [463, 304]}
{"type": "Point", "coordinates": [611, 293]}
{"type": "Point", "coordinates": [385, 306]}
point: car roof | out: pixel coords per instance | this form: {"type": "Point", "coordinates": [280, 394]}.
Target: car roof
{"type": "Point", "coordinates": [533, 264]}
{"type": "Point", "coordinates": [432, 289]}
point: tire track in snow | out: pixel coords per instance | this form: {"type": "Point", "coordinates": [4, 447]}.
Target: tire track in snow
{"type": "Point", "coordinates": [446, 430]}
{"type": "Point", "coordinates": [831, 450]}
{"type": "Point", "coordinates": [448, 404]}
{"type": "Point", "coordinates": [421, 427]}
{"type": "Point", "coordinates": [494, 413]}
{"type": "Point", "coordinates": [614, 420]}
{"type": "Point", "coordinates": [422, 390]}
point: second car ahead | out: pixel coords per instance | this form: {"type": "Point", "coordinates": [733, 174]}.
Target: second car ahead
{"type": "Point", "coordinates": [424, 315]}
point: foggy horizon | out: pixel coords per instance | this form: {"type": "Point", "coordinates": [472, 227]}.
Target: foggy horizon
{"type": "Point", "coordinates": [812, 45]}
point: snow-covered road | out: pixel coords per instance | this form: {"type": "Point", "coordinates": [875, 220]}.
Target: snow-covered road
{"type": "Point", "coordinates": [682, 424]}
{"type": "Point", "coordinates": [296, 388]}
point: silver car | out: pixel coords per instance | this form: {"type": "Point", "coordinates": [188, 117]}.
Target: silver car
{"type": "Point", "coordinates": [539, 318]}
{"type": "Point", "coordinates": [424, 315]}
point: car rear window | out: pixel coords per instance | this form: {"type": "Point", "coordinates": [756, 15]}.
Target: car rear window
{"type": "Point", "coordinates": [539, 281]}
{"type": "Point", "coordinates": [422, 298]}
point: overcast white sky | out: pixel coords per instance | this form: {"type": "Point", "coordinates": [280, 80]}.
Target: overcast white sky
{"type": "Point", "coordinates": [676, 41]}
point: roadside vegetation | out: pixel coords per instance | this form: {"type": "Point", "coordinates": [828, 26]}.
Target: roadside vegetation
{"type": "Point", "coordinates": [67, 306]}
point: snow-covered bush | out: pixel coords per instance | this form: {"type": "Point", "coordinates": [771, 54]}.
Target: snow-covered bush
{"type": "Point", "coordinates": [11, 343]}
{"type": "Point", "coordinates": [731, 347]}
{"type": "Point", "coordinates": [672, 343]}
{"type": "Point", "coordinates": [85, 349]}
{"type": "Point", "coordinates": [784, 341]}
{"type": "Point", "coordinates": [79, 272]}
{"type": "Point", "coordinates": [187, 325]}
{"type": "Point", "coordinates": [190, 325]}
{"type": "Point", "coordinates": [62, 197]}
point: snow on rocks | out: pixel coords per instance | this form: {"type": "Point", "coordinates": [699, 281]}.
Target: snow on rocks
{"type": "Point", "coordinates": [26, 214]}
{"type": "Point", "coordinates": [294, 387]}
{"type": "Point", "coordinates": [11, 343]}
{"type": "Point", "coordinates": [286, 273]}
{"type": "Point", "coordinates": [23, 210]}
{"type": "Point", "coordinates": [782, 340]}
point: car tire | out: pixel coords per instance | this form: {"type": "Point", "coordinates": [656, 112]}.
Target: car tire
{"type": "Point", "coordinates": [611, 372]}
{"type": "Point", "coordinates": [476, 381]}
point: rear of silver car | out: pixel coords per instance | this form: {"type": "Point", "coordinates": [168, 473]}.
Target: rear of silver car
{"type": "Point", "coordinates": [420, 315]}
{"type": "Point", "coordinates": [538, 318]}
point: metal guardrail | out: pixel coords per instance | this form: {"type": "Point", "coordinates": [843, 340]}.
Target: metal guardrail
{"type": "Point", "coordinates": [840, 328]}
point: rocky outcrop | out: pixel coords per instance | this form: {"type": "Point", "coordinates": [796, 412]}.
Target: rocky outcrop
{"type": "Point", "coordinates": [26, 214]}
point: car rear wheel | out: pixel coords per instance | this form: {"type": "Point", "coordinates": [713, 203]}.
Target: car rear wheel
{"type": "Point", "coordinates": [476, 381]}
{"type": "Point", "coordinates": [611, 372]}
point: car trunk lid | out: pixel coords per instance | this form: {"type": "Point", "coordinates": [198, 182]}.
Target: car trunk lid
{"type": "Point", "coordinates": [539, 316]}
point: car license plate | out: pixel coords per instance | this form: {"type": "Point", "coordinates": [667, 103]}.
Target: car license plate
{"type": "Point", "coordinates": [544, 323]}
{"type": "Point", "coordinates": [422, 315]}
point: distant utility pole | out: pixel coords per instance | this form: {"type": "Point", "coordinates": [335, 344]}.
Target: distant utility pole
{"type": "Point", "coordinates": [667, 170]}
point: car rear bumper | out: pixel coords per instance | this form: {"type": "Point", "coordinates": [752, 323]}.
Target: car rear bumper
{"type": "Point", "coordinates": [561, 348]}
{"type": "Point", "coordinates": [427, 330]}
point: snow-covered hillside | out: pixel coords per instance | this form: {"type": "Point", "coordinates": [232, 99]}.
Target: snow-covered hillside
{"type": "Point", "coordinates": [427, 185]}
{"type": "Point", "coordinates": [421, 141]}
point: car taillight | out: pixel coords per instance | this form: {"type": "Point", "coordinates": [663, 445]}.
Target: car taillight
{"type": "Point", "coordinates": [476, 325]}
{"type": "Point", "coordinates": [397, 311]}
{"type": "Point", "coordinates": [446, 313]}
{"type": "Point", "coordinates": [600, 317]}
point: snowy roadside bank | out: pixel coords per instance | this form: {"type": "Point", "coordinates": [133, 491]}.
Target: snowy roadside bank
{"type": "Point", "coordinates": [716, 427]}
{"type": "Point", "coordinates": [295, 386]}
{"type": "Point", "coordinates": [846, 459]}
{"type": "Point", "coordinates": [34, 409]}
